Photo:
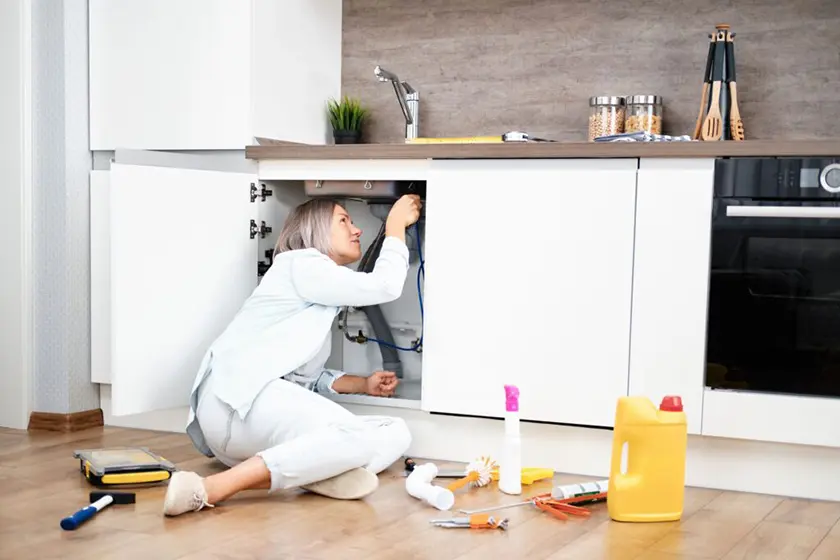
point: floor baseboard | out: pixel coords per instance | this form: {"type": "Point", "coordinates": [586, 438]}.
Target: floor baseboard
{"type": "Point", "coordinates": [73, 422]}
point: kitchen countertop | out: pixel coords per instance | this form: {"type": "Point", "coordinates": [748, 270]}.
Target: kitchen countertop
{"type": "Point", "coordinates": [781, 148]}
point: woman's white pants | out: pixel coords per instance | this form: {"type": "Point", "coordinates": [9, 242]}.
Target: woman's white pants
{"type": "Point", "coordinates": [302, 436]}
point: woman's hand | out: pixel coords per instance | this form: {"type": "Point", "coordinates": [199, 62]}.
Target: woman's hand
{"type": "Point", "coordinates": [405, 211]}
{"type": "Point", "coordinates": [381, 384]}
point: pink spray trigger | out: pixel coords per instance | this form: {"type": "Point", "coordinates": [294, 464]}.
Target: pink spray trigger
{"type": "Point", "coordinates": [511, 398]}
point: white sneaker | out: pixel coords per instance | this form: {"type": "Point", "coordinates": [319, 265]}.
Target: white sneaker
{"type": "Point", "coordinates": [186, 492]}
{"type": "Point", "coordinates": [351, 485]}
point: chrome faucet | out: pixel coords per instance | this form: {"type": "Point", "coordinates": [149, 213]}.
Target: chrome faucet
{"type": "Point", "coordinates": [408, 99]}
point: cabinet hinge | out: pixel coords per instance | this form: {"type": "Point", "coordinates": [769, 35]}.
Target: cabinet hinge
{"type": "Point", "coordinates": [262, 230]}
{"type": "Point", "coordinates": [262, 193]}
{"type": "Point", "coordinates": [262, 266]}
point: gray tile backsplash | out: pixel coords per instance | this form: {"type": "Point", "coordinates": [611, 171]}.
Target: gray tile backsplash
{"type": "Point", "coordinates": [489, 66]}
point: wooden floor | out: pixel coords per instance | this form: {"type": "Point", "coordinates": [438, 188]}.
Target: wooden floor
{"type": "Point", "coordinates": [40, 483]}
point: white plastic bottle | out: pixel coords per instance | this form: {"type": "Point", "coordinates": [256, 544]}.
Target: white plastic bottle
{"type": "Point", "coordinates": [510, 467]}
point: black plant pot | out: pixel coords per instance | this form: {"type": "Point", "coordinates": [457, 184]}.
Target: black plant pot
{"type": "Point", "coordinates": [346, 136]}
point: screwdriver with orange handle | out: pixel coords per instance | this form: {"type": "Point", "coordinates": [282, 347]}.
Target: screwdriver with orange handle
{"type": "Point", "coordinates": [478, 521]}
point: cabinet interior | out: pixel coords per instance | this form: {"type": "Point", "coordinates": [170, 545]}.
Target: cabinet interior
{"type": "Point", "coordinates": [360, 356]}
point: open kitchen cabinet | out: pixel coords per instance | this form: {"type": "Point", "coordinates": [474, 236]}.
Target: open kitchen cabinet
{"type": "Point", "coordinates": [178, 242]}
{"type": "Point", "coordinates": [528, 280]}
{"type": "Point", "coordinates": [358, 348]}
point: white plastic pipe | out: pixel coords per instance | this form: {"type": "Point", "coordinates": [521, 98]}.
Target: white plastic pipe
{"type": "Point", "coordinates": [418, 484]}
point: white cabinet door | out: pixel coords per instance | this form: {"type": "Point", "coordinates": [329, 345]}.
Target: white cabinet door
{"type": "Point", "coordinates": [211, 74]}
{"type": "Point", "coordinates": [182, 263]}
{"type": "Point", "coordinates": [296, 66]}
{"type": "Point", "coordinates": [169, 75]}
{"type": "Point", "coordinates": [529, 273]}
{"type": "Point", "coordinates": [671, 282]}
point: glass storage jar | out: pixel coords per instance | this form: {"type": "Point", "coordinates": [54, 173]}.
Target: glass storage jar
{"type": "Point", "coordinates": [644, 114]}
{"type": "Point", "coordinates": [606, 116]}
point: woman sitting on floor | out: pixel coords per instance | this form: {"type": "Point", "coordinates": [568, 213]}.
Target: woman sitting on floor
{"type": "Point", "coordinates": [255, 403]}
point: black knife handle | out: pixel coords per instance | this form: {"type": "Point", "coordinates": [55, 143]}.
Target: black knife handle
{"type": "Point", "coordinates": [707, 77]}
{"type": "Point", "coordinates": [730, 62]}
{"type": "Point", "coordinates": [720, 54]}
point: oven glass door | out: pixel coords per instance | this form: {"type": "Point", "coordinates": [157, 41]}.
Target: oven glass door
{"type": "Point", "coordinates": [774, 298]}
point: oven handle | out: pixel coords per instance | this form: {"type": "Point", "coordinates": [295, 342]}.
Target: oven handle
{"type": "Point", "coordinates": [805, 212]}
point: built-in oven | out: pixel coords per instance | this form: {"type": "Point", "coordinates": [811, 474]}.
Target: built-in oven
{"type": "Point", "coordinates": [774, 292]}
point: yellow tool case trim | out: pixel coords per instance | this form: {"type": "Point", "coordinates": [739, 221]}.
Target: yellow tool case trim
{"type": "Point", "coordinates": [141, 477]}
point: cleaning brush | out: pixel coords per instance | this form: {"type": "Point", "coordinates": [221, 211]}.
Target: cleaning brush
{"type": "Point", "coordinates": [478, 474]}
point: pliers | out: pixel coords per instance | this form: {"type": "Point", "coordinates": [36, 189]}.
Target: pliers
{"type": "Point", "coordinates": [560, 509]}
{"type": "Point", "coordinates": [478, 521]}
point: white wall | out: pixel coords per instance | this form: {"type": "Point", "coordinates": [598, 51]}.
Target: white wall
{"type": "Point", "coordinates": [15, 184]}
{"type": "Point", "coordinates": [61, 213]}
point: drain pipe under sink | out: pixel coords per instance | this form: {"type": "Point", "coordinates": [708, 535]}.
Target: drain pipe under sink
{"type": "Point", "coordinates": [390, 356]}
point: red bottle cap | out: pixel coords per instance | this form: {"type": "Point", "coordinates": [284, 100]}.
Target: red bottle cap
{"type": "Point", "coordinates": [671, 403]}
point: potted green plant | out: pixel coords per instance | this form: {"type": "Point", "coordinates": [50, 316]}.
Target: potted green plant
{"type": "Point", "coordinates": [346, 117]}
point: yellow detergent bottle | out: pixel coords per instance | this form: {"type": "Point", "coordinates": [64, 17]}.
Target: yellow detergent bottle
{"type": "Point", "coordinates": [653, 488]}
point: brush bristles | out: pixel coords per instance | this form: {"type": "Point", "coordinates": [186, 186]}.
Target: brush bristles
{"type": "Point", "coordinates": [483, 466]}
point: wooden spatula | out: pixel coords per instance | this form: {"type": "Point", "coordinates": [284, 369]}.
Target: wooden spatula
{"type": "Point", "coordinates": [707, 81]}
{"type": "Point", "coordinates": [713, 125]}
{"type": "Point", "coordinates": [736, 126]}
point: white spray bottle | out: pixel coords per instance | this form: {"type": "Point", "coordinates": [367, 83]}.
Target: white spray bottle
{"type": "Point", "coordinates": [510, 467]}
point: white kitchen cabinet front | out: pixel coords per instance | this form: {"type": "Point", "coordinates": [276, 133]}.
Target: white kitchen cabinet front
{"type": "Point", "coordinates": [671, 282]}
{"type": "Point", "coordinates": [182, 260]}
{"type": "Point", "coordinates": [211, 74]}
{"type": "Point", "coordinates": [529, 274]}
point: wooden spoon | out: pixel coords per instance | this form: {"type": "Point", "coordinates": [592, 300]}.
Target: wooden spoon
{"type": "Point", "coordinates": [713, 125]}
{"type": "Point", "coordinates": [707, 80]}
{"type": "Point", "coordinates": [736, 125]}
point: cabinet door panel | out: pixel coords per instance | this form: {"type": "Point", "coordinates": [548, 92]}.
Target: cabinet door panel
{"type": "Point", "coordinates": [170, 75]}
{"type": "Point", "coordinates": [100, 277]}
{"type": "Point", "coordinates": [291, 85]}
{"type": "Point", "coordinates": [182, 264]}
{"type": "Point", "coordinates": [671, 282]}
{"type": "Point", "coordinates": [529, 273]}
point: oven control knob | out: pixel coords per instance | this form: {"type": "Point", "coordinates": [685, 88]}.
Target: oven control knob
{"type": "Point", "coordinates": [830, 178]}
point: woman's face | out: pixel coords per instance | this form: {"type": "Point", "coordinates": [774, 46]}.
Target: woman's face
{"type": "Point", "coordinates": [346, 238]}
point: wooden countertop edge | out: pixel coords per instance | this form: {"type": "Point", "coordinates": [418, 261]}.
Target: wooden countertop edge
{"type": "Point", "coordinates": [749, 148]}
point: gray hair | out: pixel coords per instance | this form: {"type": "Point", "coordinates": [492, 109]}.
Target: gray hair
{"type": "Point", "coordinates": [309, 226]}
